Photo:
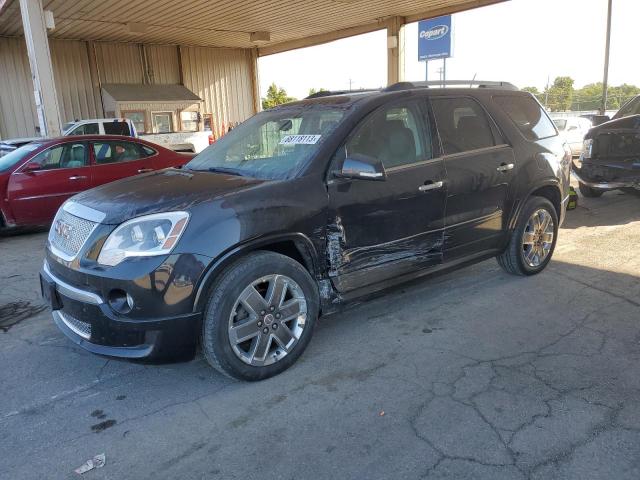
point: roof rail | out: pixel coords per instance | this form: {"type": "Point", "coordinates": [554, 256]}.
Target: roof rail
{"type": "Point", "coordinates": [450, 83]}
{"type": "Point", "coordinates": [328, 93]}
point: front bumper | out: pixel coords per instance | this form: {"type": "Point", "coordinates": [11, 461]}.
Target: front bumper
{"type": "Point", "coordinates": [88, 320]}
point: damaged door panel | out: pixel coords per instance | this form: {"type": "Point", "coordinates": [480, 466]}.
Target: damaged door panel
{"type": "Point", "coordinates": [378, 230]}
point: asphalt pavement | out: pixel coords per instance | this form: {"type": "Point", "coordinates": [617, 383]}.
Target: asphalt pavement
{"type": "Point", "coordinates": [472, 375]}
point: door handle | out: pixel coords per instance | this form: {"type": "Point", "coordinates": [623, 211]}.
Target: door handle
{"type": "Point", "coordinates": [430, 186]}
{"type": "Point", "coordinates": [505, 167]}
{"type": "Point", "coordinates": [145, 170]}
{"type": "Point", "coordinates": [77, 177]}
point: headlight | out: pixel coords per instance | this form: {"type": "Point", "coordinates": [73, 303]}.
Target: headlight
{"type": "Point", "coordinates": [587, 147]}
{"type": "Point", "coordinates": [146, 236]}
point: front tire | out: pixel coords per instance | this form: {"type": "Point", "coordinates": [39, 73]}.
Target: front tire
{"type": "Point", "coordinates": [533, 240]}
{"type": "Point", "coordinates": [589, 192]}
{"type": "Point", "coordinates": [260, 316]}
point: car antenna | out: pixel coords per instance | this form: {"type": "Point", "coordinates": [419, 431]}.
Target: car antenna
{"type": "Point", "coordinates": [473, 79]}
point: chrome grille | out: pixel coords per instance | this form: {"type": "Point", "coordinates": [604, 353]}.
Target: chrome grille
{"type": "Point", "coordinates": [69, 233]}
{"type": "Point", "coordinates": [81, 328]}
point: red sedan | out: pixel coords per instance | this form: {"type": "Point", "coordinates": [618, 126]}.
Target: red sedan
{"type": "Point", "coordinates": [37, 178]}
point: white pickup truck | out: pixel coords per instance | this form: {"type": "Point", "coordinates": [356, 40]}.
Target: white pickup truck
{"type": "Point", "coordinates": [179, 141]}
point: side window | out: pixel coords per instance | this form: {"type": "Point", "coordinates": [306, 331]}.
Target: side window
{"type": "Point", "coordinates": [117, 128]}
{"type": "Point", "coordinates": [527, 114]}
{"type": "Point", "coordinates": [86, 129]}
{"type": "Point", "coordinates": [147, 151]}
{"type": "Point", "coordinates": [463, 124]}
{"type": "Point", "coordinates": [394, 134]}
{"type": "Point", "coordinates": [68, 155]}
{"type": "Point", "coordinates": [115, 152]}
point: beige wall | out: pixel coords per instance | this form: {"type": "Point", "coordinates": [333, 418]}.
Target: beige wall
{"type": "Point", "coordinates": [77, 96]}
{"type": "Point", "coordinates": [223, 78]}
{"type": "Point", "coordinates": [163, 64]}
{"type": "Point", "coordinates": [17, 107]}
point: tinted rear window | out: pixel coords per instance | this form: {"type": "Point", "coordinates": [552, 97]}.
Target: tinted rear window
{"type": "Point", "coordinates": [117, 128]}
{"type": "Point", "coordinates": [462, 124]}
{"type": "Point", "coordinates": [528, 116]}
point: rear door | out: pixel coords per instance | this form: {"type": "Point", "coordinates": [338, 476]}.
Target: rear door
{"type": "Point", "coordinates": [479, 166]}
{"type": "Point", "coordinates": [379, 230]}
{"type": "Point", "coordinates": [36, 195]}
{"type": "Point", "coordinates": [116, 159]}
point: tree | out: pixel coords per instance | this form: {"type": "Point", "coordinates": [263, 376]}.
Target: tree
{"type": "Point", "coordinates": [275, 96]}
{"type": "Point", "coordinates": [532, 90]}
{"type": "Point", "coordinates": [313, 90]}
{"type": "Point", "coordinates": [560, 94]}
{"type": "Point", "coordinates": [535, 92]}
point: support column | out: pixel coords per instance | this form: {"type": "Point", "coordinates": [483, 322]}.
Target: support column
{"type": "Point", "coordinates": [255, 81]}
{"type": "Point", "coordinates": [35, 34]}
{"type": "Point", "coordinates": [395, 50]}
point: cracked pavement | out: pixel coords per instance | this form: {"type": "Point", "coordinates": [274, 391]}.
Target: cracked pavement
{"type": "Point", "coordinates": [471, 375]}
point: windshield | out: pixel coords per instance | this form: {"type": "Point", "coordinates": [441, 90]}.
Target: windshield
{"type": "Point", "coordinates": [560, 124]}
{"type": "Point", "coordinates": [67, 126]}
{"type": "Point", "coordinates": [274, 144]}
{"type": "Point", "coordinates": [631, 108]}
{"type": "Point", "coordinates": [10, 159]}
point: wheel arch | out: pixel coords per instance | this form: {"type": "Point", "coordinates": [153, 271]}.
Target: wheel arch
{"type": "Point", "coordinates": [296, 246]}
{"type": "Point", "coordinates": [550, 190]}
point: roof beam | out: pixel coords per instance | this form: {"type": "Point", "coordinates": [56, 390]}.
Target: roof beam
{"type": "Point", "coordinates": [463, 7]}
{"type": "Point", "coordinates": [370, 27]}
{"type": "Point", "coordinates": [320, 39]}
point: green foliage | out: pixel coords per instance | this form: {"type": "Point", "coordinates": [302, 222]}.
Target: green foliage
{"type": "Point", "coordinates": [561, 96]}
{"type": "Point", "coordinates": [275, 96]}
{"type": "Point", "coordinates": [532, 90]}
{"type": "Point", "coordinates": [313, 90]}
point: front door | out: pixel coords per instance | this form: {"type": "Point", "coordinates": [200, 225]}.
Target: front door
{"type": "Point", "coordinates": [383, 229]}
{"type": "Point", "coordinates": [479, 169]}
{"type": "Point", "coordinates": [36, 195]}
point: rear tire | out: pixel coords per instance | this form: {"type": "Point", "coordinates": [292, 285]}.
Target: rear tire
{"type": "Point", "coordinates": [260, 316]}
{"type": "Point", "coordinates": [590, 192]}
{"type": "Point", "coordinates": [532, 241]}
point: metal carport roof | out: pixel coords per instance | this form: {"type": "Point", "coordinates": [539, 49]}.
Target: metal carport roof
{"type": "Point", "coordinates": [291, 23]}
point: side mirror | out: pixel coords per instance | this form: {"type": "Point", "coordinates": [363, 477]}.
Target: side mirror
{"type": "Point", "coordinates": [362, 167]}
{"type": "Point", "coordinates": [31, 167]}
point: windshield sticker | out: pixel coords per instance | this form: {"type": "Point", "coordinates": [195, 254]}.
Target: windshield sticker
{"type": "Point", "coordinates": [300, 139]}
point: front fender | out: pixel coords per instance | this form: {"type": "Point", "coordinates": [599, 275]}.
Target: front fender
{"type": "Point", "coordinates": [305, 247]}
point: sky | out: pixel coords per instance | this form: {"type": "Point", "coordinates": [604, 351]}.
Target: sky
{"type": "Point", "coordinates": [524, 42]}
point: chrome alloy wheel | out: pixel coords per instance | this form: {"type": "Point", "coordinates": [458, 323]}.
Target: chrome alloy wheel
{"type": "Point", "coordinates": [537, 238]}
{"type": "Point", "coordinates": [267, 320]}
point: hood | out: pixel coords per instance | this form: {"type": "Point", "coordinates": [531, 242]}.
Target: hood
{"type": "Point", "coordinates": [161, 191]}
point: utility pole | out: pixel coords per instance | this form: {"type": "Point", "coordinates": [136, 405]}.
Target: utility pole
{"type": "Point", "coordinates": [546, 94]}
{"type": "Point", "coordinates": [444, 71]}
{"type": "Point", "coordinates": [605, 79]}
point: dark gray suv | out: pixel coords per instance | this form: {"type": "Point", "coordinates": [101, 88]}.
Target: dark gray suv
{"type": "Point", "coordinates": [300, 209]}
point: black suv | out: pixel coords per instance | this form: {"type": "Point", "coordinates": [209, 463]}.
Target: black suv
{"type": "Point", "coordinates": [611, 154]}
{"type": "Point", "coordinates": [302, 208]}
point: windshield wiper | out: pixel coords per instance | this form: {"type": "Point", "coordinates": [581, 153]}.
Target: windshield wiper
{"type": "Point", "coordinates": [228, 171]}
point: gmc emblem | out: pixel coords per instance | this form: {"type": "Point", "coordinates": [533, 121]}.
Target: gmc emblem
{"type": "Point", "coordinates": [63, 229]}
